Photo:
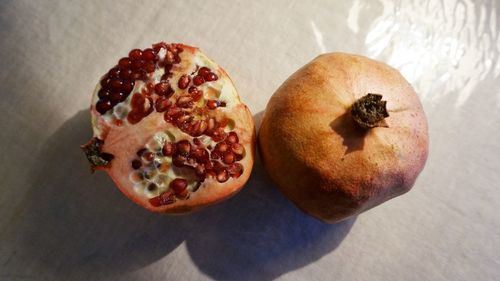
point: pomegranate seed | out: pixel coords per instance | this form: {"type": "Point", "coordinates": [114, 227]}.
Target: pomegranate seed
{"type": "Point", "coordinates": [198, 80]}
{"type": "Point", "coordinates": [148, 156]}
{"type": "Point", "coordinates": [168, 149]}
{"type": "Point", "coordinates": [127, 86]}
{"type": "Point", "coordinates": [162, 104]}
{"type": "Point", "coordinates": [212, 104]}
{"type": "Point", "coordinates": [162, 88]}
{"type": "Point", "coordinates": [138, 74]}
{"type": "Point", "coordinates": [164, 199]}
{"type": "Point", "coordinates": [183, 121]}
{"type": "Point", "coordinates": [178, 160]}
{"type": "Point", "coordinates": [203, 71]}
{"type": "Point", "coordinates": [172, 113]}
{"type": "Point", "coordinates": [183, 147]}
{"type": "Point", "coordinates": [125, 74]}
{"type": "Point", "coordinates": [210, 174]}
{"type": "Point", "coordinates": [136, 164]}
{"type": "Point", "coordinates": [148, 106]}
{"type": "Point", "coordinates": [149, 66]}
{"type": "Point", "coordinates": [137, 102]}
{"type": "Point", "coordinates": [192, 90]}
{"type": "Point", "coordinates": [232, 137]}
{"type": "Point", "coordinates": [211, 77]}
{"type": "Point", "coordinates": [103, 94]}
{"type": "Point", "coordinates": [114, 72]}
{"type": "Point", "coordinates": [223, 123]}
{"type": "Point", "coordinates": [197, 95]}
{"type": "Point", "coordinates": [117, 97]}
{"type": "Point", "coordinates": [103, 105]}
{"type": "Point", "coordinates": [185, 101]}
{"type": "Point", "coordinates": [169, 57]}
{"type": "Point", "coordinates": [141, 151]}
{"type": "Point", "coordinates": [222, 176]}
{"type": "Point", "coordinates": [237, 148]}
{"type": "Point", "coordinates": [200, 170]}
{"type": "Point", "coordinates": [124, 63]}
{"type": "Point", "coordinates": [202, 128]}
{"type": "Point", "coordinates": [135, 54]}
{"type": "Point", "coordinates": [228, 157]}
{"type": "Point", "coordinates": [210, 124]}
{"type": "Point", "coordinates": [184, 81]}
{"type": "Point", "coordinates": [196, 141]}
{"type": "Point", "coordinates": [201, 155]}
{"type": "Point", "coordinates": [221, 147]}
{"type": "Point", "coordinates": [218, 134]}
{"type": "Point", "coordinates": [134, 116]}
{"type": "Point", "coordinates": [137, 64]}
{"type": "Point", "coordinates": [215, 154]}
{"type": "Point", "coordinates": [115, 84]}
{"type": "Point", "coordinates": [235, 170]}
{"type": "Point", "coordinates": [148, 54]}
{"type": "Point", "coordinates": [177, 59]}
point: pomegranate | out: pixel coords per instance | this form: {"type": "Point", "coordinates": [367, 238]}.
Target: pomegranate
{"type": "Point", "coordinates": [343, 134]}
{"type": "Point", "coordinates": [160, 119]}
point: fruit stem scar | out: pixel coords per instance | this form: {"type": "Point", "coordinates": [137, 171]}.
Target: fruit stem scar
{"type": "Point", "coordinates": [96, 157]}
{"type": "Point", "coordinates": [370, 111]}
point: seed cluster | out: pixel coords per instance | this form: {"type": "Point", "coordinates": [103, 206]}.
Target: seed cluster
{"type": "Point", "coordinates": [185, 109]}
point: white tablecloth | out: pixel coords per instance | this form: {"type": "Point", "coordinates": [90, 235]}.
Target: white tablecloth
{"type": "Point", "coordinates": [59, 222]}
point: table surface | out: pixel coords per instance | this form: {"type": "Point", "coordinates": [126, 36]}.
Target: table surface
{"type": "Point", "coordinates": [59, 222]}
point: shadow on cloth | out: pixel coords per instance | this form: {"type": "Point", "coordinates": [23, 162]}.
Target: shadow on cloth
{"type": "Point", "coordinates": [80, 224]}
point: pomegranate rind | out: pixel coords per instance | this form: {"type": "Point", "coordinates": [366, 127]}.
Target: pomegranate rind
{"type": "Point", "coordinates": [318, 157]}
{"type": "Point", "coordinates": [123, 141]}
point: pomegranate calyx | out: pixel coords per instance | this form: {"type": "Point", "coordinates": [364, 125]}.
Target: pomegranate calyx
{"type": "Point", "coordinates": [96, 157]}
{"type": "Point", "coordinates": [370, 111]}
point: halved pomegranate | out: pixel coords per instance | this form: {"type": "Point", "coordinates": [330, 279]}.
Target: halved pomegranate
{"type": "Point", "coordinates": [170, 129]}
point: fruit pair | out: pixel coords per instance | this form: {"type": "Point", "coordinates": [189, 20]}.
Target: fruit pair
{"type": "Point", "coordinates": [171, 131]}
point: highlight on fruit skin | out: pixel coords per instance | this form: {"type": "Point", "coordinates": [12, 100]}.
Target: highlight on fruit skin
{"type": "Point", "coordinates": [170, 129]}
{"type": "Point", "coordinates": [343, 134]}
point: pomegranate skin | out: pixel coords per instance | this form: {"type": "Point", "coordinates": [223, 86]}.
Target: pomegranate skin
{"type": "Point", "coordinates": [321, 159]}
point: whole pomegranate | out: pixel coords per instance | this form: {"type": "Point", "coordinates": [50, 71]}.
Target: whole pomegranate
{"type": "Point", "coordinates": [170, 129]}
{"type": "Point", "coordinates": [342, 135]}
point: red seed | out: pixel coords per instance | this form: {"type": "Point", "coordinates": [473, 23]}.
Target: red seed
{"type": "Point", "coordinates": [124, 63]}
{"type": "Point", "coordinates": [203, 71]}
{"type": "Point", "coordinates": [237, 148]}
{"type": "Point", "coordinates": [141, 151]}
{"type": "Point", "coordinates": [218, 134]}
{"type": "Point", "coordinates": [210, 174]}
{"type": "Point", "coordinates": [232, 137]}
{"type": "Point", "coordinates": [103, 105]}
{"type": "Point", "coordinates": [163, 199]}
{"type": "Point", "coordinates": [183, 147]}
{"type": "Point", "coordinates": [162, 104]}
{"type": "Point", "coordinates": [148, 54]}
{"type": "Point", "coordinates": [149, 66]}
{"type": "Point", "coordinates": [168, 149]}
{"type": "Point", "coordinates": [192, 90]}
{"type": "Point", "coordinates": [125, 74]}
{"type": "Point", "coordinates": [235, 170]}
{"type": "Point", "coordinates": [202, 128]}
{"type": "Point", "coordinates": [134, 116]}
{"type": "Point", "coordinates": [210, 124]}
{"type": "Point", "coordinates": [212, 104]}
{"type": "Point", "coordinates": [127, 87]}
{"type": "Point", "coordinates": [162, 88]}
{"type": "Point", "coordinates": [148, 106]}
{"type": "Point", "coordinates": [197, 95]}
{"type": "Point", "coordinates": [185, 101]}
{"type": "Point", "coordinates": [103, 94]}
{"type": "Point", "coordinates": [184, 81]}
{"type": "Point", "coordinates": [169, 57]}
{"type": "Point", "coordinates": [210, 77]}
{"type": "Point", "coordinates": [148, 156]}
{"type": "Point", "coordinates": [198, 80]}
{"type": "Point", "coordinates": [228, 157]}
{"type": "Point", "coordinates": [200, 170]}
{"type": "Point", "coordinates": [117, 97]}
{"type": "Point", "coordinates": [137, 64]}
{"type": "Point", "coordinates": [135, 54]}
{"type": "Point", "coordinates": [136, 164]}
{"type": "Point", "coordinates": [137, 102]}
{"type": "Point", "coordinates": [115, 84]}
{"type": "Point", "coordinates": [114, 72]}
{"type": "Point", "coordinates": [179, 160]}
{"type": "Point", "coordinates": [201, 155]}
{"type": "Point", "coordinates": [222, 176]}
{"type": "Point", "coordinates": [221, 147]}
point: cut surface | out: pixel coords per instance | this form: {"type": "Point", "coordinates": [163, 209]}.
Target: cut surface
{"type": "Point", "coordinates": [173, 121]}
